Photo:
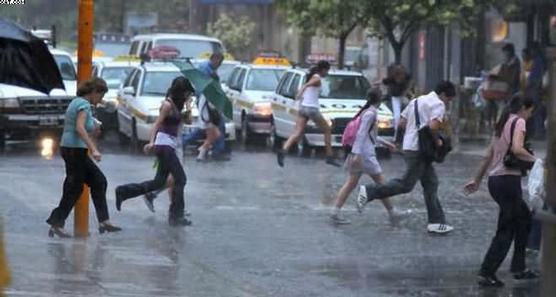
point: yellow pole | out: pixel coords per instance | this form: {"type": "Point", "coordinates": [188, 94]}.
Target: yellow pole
{"type": "Point", "coordinates": [84, 71]}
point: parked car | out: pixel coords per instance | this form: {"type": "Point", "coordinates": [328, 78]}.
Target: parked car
{"type": "Point", "coordinates": [250, 88]}
{"type": "Point", "coordinates": [67, 69]}
{"type": "Point", "coordinates": [139, 101]}
{"type": "Point", "coordinates": [343, 94]}
{"type": "Point", "coordinates": [189, 46]}
{"type": "Point", "coordinates": [32, 96]}
{"type": "Point", "coordinates": [114, 73]}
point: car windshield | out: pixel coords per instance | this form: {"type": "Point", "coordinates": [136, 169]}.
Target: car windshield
{"type": "Point", "coordinates": [344, 87]}
{"type": "Point", "coordinates": [65, 65]}
{"type": "Point", "coordinates": [224, 71]}
{"type": "Point", "coordinates": [115, 75]}
{"type": "Point", "coordinates": [263, 79]}
{"type": "Point", "coordinates": [191, 48]}
{"type": "Point", "coordinates": [157, 83]}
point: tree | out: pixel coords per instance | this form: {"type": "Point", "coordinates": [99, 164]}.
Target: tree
{"type": "Point", "coordinates": [329, 18]}
{"type": "Point", "coordinates": [236, 34]}
{"type": "Point", "coordinates": [397, 20]}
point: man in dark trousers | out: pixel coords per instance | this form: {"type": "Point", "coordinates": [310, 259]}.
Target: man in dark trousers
{"type": "Point", "coordinates": [397, 85]}
{"type": "Point", "coordinates": [431, 111]}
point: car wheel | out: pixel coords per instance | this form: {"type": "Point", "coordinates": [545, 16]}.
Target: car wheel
{"type": "Point", "coordinates": [274, 141]}
{"type": "Point", "coordinates": [245, 133]}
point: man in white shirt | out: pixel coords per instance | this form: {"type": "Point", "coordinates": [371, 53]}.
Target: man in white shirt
{"type": "Point", "coordinates": [431, 109]}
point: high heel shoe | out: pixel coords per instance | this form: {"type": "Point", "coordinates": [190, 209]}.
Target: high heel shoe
{"type": "Point", "coordinates": [58, 232]}
{"type": "Point", "coordinates": [108, 228]}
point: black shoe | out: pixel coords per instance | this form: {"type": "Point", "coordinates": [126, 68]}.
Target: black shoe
{"type": "Point", "coordinates": [280, 158]}
{"type": "Point", "coordinates": [489, 281]}
{"type": "Point", "coordinates": [526, 275]}
{"type": "Point", "coordinates": [58, 231]}
{"type": "Point", "coordinates": [119, 200]}
{"type": "Point", "coordinates": [181, 222]}
{"type": "Point", "coordinates": [333, 162]}
{"type": "Point", "coordinates": [149, 198]}
{"type": "Point", "coordinates": [108, 228]}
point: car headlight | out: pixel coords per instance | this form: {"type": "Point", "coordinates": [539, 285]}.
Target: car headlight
{"type": "Point", "coordinates": [9, 104]}
{"type": "Point", "coordinates": [385, 124]}
{"type": "Point", "coordinates": [262, 109]}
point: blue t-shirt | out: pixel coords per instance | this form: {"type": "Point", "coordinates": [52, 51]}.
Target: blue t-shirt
{"type": "Point", "coordinates": [70, 138]}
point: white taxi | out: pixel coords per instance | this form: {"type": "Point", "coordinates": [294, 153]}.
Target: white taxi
{"type": "Point", "coordinates": [250, 88]}
{"type": "Point", "coordinates": [140, 97]}
{"type": "Point", "coordinates": [114, 73]}
{"type": "Point", "coordinates": [67, 69]}
{"type": "Point", "coordinates": [343, 94]}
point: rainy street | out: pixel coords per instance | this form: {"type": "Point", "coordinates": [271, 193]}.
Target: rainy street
{"type": "Point", "coordinates": [258, 230]}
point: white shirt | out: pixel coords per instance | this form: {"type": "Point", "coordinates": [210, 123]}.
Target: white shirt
{"type": "Point", "coordinates": [430, 108]}
{"type": "Point", "coordinates": [364, 145]}
{"type": "Point", "coordinates": [311, 96]}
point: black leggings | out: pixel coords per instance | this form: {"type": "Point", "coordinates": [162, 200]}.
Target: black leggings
{"type": "Point", "coordinates": [514, 222]}
{"type": "Point", "coordinates": [80, 170]}
{"type": "Point", "coordinates": [168, 163]}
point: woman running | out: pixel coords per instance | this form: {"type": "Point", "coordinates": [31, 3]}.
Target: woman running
{"type": "Point", "coordinates": [504, 185]}
{"type": "Point", "coordinates": [310, 110]}
{"type": "Point", "coordinates": [163, 143]}
{"type": "Point", "coordinates": [362, 159]}
{"type": "Point", "coordinates": [75, 146]}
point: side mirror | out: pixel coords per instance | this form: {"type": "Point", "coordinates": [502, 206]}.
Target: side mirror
{"type": "Point", "coordinates": [129, 91]}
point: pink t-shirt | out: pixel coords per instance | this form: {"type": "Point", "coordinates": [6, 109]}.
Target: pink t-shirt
{"type": "Point", "coordinates": [500, 146]}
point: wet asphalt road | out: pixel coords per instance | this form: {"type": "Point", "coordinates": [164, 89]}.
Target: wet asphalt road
{"type": "Point", "coordinates": [259, 230]}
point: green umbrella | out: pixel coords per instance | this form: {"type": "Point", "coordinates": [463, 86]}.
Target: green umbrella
{"type": "Point", "coordinates": [208, 86]}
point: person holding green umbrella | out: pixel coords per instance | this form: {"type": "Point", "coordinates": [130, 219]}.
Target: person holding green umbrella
{"type": "Point", "coordinates": [211, 119]}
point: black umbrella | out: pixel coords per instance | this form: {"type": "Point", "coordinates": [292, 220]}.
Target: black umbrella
{"type": "Point", "coordinates": [25, 60]}
{"type": "Point", "coordinates": [11, 30]}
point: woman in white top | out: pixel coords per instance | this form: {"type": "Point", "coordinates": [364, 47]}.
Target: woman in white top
{"type": "Point", "coordinates": [310, 110]}
{"type": "Point", "coordinates": [362, 159]}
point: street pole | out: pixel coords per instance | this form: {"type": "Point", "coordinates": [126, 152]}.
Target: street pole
{"type": "Point", "coordinates": [84, 70]}
{"type": "Point", "coordinates": [549, 224]}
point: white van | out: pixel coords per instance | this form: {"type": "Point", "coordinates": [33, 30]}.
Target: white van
{"type": "Point", "coordinates": [190, 46]}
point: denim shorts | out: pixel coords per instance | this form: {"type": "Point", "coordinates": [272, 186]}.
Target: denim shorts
{"type": "Point", "coordinates": [311, 113]}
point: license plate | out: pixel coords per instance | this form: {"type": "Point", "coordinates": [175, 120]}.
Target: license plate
{"type": "Point", "coordinates": [48, 121]}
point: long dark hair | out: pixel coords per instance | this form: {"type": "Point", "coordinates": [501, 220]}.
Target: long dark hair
{"type": "Point", "coordinates": [176, 92]}
{"type": "Point", "coordinates": [374, 97]}
{"type": "Point", "coordinates": [514, 106]}
{"type": "Point", "coordinates": [321, 65]}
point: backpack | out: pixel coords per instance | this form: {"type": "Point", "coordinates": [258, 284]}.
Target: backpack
{"type": "Point", "coordinates": [350, 132]}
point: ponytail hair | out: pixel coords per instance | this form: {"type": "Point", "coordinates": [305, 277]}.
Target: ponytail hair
{"type": "Point", "coordinates": [514, 106]}
{"type": "Point", "coordinates": [374, 97]}
{"type": "Point", "coordinates": [321, 65]}
{"type": "Point", "coordinates": [176, 92]}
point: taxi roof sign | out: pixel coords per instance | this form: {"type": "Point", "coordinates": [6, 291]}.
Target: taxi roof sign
{"type": "Point", "coordinates": [271, 61]}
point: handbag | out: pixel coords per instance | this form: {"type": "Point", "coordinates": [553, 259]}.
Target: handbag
{"type": "Point", "coordinates": [428, 148]}
{"type": "Point", "coordinates": [511, 160]}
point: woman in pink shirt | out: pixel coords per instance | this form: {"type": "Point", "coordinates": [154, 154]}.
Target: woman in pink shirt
{"type": "Point", "coordinates": [504, 185]}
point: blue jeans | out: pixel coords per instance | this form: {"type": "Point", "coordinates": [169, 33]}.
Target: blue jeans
{"type": "Point", "coordinates": [198, 134]}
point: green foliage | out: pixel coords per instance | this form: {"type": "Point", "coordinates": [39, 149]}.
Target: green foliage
{"type": "Point", "coordinates": [329, 18]}
{"type": "Point", "coordinates": [236, 34]}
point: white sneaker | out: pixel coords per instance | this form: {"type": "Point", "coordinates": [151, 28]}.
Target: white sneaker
{"type": "Point", "coordinates": [439, 228]}
{"type": "Point", "coordinates": [339, 219]}
{"type": "Point", "coordinates": [361, 199]}
{"type": "Point", "coordinates": [202, 155]}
